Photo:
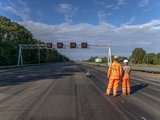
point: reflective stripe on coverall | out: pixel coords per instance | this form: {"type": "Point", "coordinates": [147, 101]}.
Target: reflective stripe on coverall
{"type": "Point", "coordinates": [126, 80]}
{"type": "Point", "coordinates": [114, 75]}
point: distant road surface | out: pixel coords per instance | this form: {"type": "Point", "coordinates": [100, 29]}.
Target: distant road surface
{"type": "Point", "coordinates": [63, 92]}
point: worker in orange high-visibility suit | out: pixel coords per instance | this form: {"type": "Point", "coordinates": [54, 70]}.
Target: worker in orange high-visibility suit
{"type": "Point", "coordinates": [126, 78]}
{"type": "Point", "coordinates": [114, 76]}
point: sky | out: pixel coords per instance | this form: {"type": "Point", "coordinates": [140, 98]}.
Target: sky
{"type": "Point", "coordinates": [124, 24]}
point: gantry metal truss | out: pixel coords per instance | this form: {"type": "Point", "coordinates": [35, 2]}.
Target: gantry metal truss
{"type": "Point", "coordinates": [29, 46]}
{"type": "Point", "coordinates": [44, 46]}
{"type": "Point", "coordinates": [33, 46]}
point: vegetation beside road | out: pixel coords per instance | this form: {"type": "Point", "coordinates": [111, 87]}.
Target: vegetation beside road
{"type": "Point", "coordinates": [11, 35]}
{"type": "Point", "coordinates": [139, 57]}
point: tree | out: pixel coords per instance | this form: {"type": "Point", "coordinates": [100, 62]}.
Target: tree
{"type": "Point", "coordinates": [137, 55]}
{"type": "Point", "coordinates": [92, 59]}
{"type": "Point", "coordinates": [158, 58]}
{"type": "Point", "coordinates": [11, 35]}
{"type": "Point", "coordinates": [104, 59]}
{"type": "Point", "coordinates": [149, 58]}
{"type": "Point", "coordinates": [122, 58]}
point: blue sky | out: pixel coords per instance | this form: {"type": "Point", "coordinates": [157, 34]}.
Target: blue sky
{"type": "Point", "coordinates": [125, 24]}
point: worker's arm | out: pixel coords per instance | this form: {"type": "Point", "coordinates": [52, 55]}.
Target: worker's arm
{"type": "Point", "coordinates": [109, 72]}
{"type": "Point", "coordinates": [121, 71]}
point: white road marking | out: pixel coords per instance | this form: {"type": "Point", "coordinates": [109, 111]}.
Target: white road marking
{"type": "Point", "coordinates": [122, 101]}
{"type": "Point", "coordinates": [143, 118]}
{"type": "Point", "coordinates": [21, 76]}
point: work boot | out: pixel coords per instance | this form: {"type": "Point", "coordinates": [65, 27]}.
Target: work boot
{"type": "Point", "coordinates": [107, 94]}
{"type": "Point", "coordinates": [115, 95]}
{"type": "Point", "coordinates": [124, 93]}
{"type": "Point", "coordinates": [128, 93]}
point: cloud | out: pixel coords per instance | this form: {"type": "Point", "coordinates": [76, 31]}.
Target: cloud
{"type": "Point", "coordinates": [40, 14]}
{"type": "Point", "coordinates": [101, 16]}
{"type": "Point", "coordinates": [64, 8]}
{"type": "Point", "coordinates": [108, 6]}
{"type": "Point", "coordinates": [121, 2]}
{"type": "Point", "coordinates": [20, 9]}
{"type": "Point", "coordinates": [132, 20]}
{"type": "Point", "coordinates": [104, 3]}
{"type": "Point", "coordinates": [117, 6]}
{"type": "Point", "coordinates": [122, 38]}
{"type": "Point", "coordinates": [67, 10]}
{"type": "Point", "coordinates": [100, 2]}
{"type": "Point", "coordinates": [143, 3]}
{"type": "Point", "coordinates": [109, 14]}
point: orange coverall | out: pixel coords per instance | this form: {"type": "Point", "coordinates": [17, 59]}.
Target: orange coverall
{"type": "Point", "coordinates": [114, 75]}
{"type": "Point", "coordinates": [126, 80]}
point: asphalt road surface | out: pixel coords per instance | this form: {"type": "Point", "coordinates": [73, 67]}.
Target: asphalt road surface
{"type": "Point", "coordinates": [63, 92]}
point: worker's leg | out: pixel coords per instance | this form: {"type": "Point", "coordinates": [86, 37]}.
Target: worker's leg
{"type": "Point", "coordinates": [110, 86]}
{"type": "Point", "coordinates": [124, 86]}
{"type": "Point", "coordinates": [115, 87]}
{"type": "Point", "coordinates": [128, 86]}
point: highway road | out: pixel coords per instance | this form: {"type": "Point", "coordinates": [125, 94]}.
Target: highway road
{"type": "Point", "coordinates": [63, 92]}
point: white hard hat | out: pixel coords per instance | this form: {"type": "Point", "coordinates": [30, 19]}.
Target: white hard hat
{"type": "Point", "coordinates": [125, 61]}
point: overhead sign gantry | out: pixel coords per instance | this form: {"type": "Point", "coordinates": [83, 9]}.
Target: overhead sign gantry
{"type": "Point", "coordinates": [60, 45]}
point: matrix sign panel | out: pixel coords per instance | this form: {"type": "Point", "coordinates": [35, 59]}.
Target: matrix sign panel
{"type": "Point", "coordinates": [49, 45]}
{"type": "Point", "coordinates": [84, 45]}
{"type": "Point", "coordinates": [59, 45]}
{"type": "Point", "coordinates": [73, 45]}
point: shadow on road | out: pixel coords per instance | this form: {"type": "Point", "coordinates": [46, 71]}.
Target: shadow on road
{"type": "Point", "coordinates": [138, 87]}
{"type": "Point", "coordinates": [134, 88]}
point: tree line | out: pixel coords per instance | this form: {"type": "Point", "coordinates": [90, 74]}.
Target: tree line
{"type": "Point", "coordinates": [11, 35]}
{"type": "Point", "coordinates": [139, 56]}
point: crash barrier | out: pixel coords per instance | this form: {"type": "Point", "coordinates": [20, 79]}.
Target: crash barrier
{"type": "Point", "coordinates": [146, 69]}
{"type": "Point", "coordinates": [134, 68]}
{"type": "Point", "coordinates": [8, 67]}
{"type": "Point", "coordinates": [26, 65]}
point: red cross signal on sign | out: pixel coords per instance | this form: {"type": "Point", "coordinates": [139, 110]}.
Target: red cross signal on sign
{"type": "Point", "coordinates": [59, 45]}
{"type": "Point", "coordinates": [84, 45]}
{"type": "Point", "coordinates": [49, 45]}
{"type": "Point", "coordinates": [73, 45]}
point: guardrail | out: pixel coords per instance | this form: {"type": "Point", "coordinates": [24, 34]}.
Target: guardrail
{"type": "Point", "coordinates": [26, 65]}
{"type": "Point", "coordinates": [134, 68]}
{"type": "Point", "coordinates": [7, 67]}
{"type": "Point", "coordinates": [146, 69]}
